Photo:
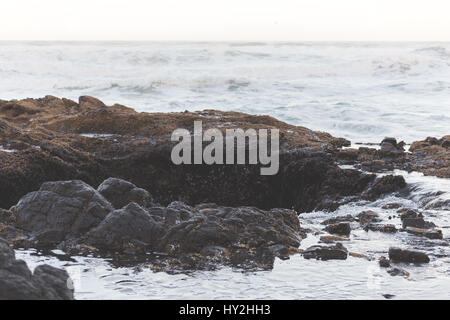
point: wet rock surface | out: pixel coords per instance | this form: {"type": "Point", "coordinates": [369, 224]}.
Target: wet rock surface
{"type": "Point", "coordinates": [185, 237]}
{"type": "Point", "coordinates": [403, 255]}
{"type": "Point", "coordinates": [335, 252]}
{"type": "Point", "coordinates": [18, 282]}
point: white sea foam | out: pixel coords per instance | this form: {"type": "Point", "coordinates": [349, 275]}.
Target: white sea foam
{"type": "Point", "coordinates": [361, 91]}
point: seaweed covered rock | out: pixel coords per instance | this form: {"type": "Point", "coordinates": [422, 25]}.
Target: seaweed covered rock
{"type": "Point", "coordinates": [17, 282]}
{"type": "Point", "coordinates": [59, 139]}
{"type": "Point", "coordinates": [432, 156]}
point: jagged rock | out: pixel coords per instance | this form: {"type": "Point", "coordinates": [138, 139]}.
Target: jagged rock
{"type": "Point", "coordinates": [410, 256]}
{"type": "Point", "coordinates": [120, 193]}
{"type": "Point", "coordinates": [336, 252]}
{"type": "Point", "coordinates": [60, 210]}
{"type": "Point", "coordinates": [384, 185]}
{"type": "Point", "coordinates": [389, 145]}
{"type": "Point", "coordinates": [368, 216]}
{"type": "Point", "coordinates": [428, 233]}
{"type": "Point", "coordinates": [17, 281]}
{"type": "Point", "coordinates": [339, 228]}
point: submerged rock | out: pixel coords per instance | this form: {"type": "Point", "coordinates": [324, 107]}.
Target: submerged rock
{"type": "Point", "coordinates": [398, 272]}
{"type": "Point", "coordinates": [17, 282]}
{"type": "Point", "coordinates": [410, 256]}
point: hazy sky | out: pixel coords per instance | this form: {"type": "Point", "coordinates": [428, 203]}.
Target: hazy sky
{"type": "Point", "coordinates": [241, 20]}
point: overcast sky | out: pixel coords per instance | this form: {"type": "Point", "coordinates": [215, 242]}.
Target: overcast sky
{"type": "Point", "coordinates": [225, 20]}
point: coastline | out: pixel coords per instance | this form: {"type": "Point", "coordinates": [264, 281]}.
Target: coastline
{"type": "Point", "coordinates": [52, 139]}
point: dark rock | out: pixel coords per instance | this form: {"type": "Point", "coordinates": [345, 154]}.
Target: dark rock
{"type": "Point", "coordinates": [60, 210]}
{"type": "Point", "coordinates": [368, 216]}
{"type": "Point", "coordinates": [409, 214]}
{"type": "Point", "coordinates": [417, 223]}
{"type": "Point", "coordinates": [384, 185]}
{"type": "Point", "coordinates": [18, 283]}
{"type": "Point", "coordinates": [336, 252]}
{"type": "Point", "coordinates": [389, 145]}
{"type": "Point", "coordinates": [339, 228]}
{"type": "Point", "coordinates": [384, 263]}
{"type": "Point", "coordinates": [409, 256]}
{"type": "Point", "coordinates": [120, 193]}
{"type": "Point", "coordinates": [131, 228]}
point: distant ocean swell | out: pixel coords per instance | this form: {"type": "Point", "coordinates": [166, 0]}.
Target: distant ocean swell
{"type": "Point", "coordinates": [361, 91]}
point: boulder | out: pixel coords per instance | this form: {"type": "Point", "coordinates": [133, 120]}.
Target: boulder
{"type": "Point", "coordinates": [336, 252]}
{"type": "Point", "coordinates": [17, 282]}
{"type": "Point", "coordinates": [384, 185]}
{"type": "Point", "coordinates": [418, 222]}
{"type": "Point", "coordinates": [342, 228]}
{"type": "Point", "coordinates": [60, 210]}
{"type": "Point", "coordinates": [120, 193]}
{"type": "Point", "coordinates": [131, 228]}
{"type": "Point", "coordinates": [409, 256]}
{"type": "Point", "coordinates": [368, 216]}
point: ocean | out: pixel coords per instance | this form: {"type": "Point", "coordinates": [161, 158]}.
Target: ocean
{"type": "Point", "coordinates": [359, 91]}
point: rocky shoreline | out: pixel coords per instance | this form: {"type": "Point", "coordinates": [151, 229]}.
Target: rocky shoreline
{"type": "Point", "coordinates": [90, 179]}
